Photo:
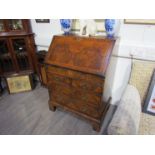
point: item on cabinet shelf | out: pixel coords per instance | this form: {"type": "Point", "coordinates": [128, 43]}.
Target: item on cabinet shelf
{"type": "Point", "coordinates": [17, 83]}
{"type": "Point", "coordinates": [112, 27]}
{"type": "Point", "coordinates": [66, 25]}
{"type": "Point", "coordinates": [17, 47]}
{"type": "Point", "coordinates": [75, 71]}
{"type": "Point", "coordinates": [15, 24]}
{"type": "Point", "coordinates": [88, 27]}
{"type": "Point", "coordinates": [41, 56]}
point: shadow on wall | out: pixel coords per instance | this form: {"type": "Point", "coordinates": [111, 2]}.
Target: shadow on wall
{"type": "Point", "coordinates": [110, 73]}
{"type": "Point", "coordinates": [110, 78]}
{"type": "Point", "coordinates": [117, 77]}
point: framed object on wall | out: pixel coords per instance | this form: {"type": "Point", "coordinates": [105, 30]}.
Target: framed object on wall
{"type": "Point", "coordinates": [149, 106]}
{"type": "Point", "coordinates": [140, 21]}
{"type": "Point", "coordinates": [42, 20]}
{"type": "Point", "coordinates": [99, 23]}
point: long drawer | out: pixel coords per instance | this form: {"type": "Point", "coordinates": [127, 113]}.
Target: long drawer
{"type": "Point", "coordinates": [82, 85]}
{"type": "Point", "coordinates": [89, 98]}
{"type": "Point", "coordinates": [74, 74]}
{"type": "Point", "coordinates": [78, 105]}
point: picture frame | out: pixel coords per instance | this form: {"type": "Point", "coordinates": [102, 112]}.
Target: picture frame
{"type": "Point", "coordinates": [42, 20]}
{"type": "Point", "coordinates": [99, 23]}
{"type": "Point", "coordinates": [149, 105]}
{"type": "Point", "coordinates": [140, 21]}
{"type": "Point", "coordinates": [18, 83]}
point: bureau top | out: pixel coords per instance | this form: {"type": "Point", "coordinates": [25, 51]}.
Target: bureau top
{"type": "Point", "coordinates": [86, 54]}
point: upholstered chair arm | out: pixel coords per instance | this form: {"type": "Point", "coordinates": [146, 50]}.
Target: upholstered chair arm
{"type": "Point", "coordinates": [126, 118]}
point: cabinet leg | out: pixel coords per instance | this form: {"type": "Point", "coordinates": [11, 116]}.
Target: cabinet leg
{"type": "Point", "coordinates": [96, 127]}
{"type": "Point", "coordinates": [51, 107]}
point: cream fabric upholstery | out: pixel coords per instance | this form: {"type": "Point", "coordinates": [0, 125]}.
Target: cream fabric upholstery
{"type": "Point", "coordinates": [127, 116]}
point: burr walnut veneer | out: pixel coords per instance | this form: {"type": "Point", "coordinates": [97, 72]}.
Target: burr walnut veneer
{"type": "Point", "coordinates": [75, 68]}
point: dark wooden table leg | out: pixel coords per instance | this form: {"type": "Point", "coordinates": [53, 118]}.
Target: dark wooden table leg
{"type": "Point", "coordinates": [96, 127]}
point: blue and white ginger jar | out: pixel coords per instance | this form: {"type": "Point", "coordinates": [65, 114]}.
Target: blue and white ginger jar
{"type": "Point", "coordinates": [66, 25]}
{"type": "Point", "coordinates": [111, 26]}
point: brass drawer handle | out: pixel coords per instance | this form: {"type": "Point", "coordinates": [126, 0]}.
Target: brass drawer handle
{"type": "Point", "coordinates": [84, 86]}
{"type": "Point", "coordinates": [84, 109]}
{"type": "Point", "coordinates": [65, 80]}
{"type": "Point", "coordinates": [56, 79]}
{"type": "Point", "coordinates": [84, 97]}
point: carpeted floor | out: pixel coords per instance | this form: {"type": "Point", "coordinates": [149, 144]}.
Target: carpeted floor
{"type": "Point", "coordinates": [28, 113]}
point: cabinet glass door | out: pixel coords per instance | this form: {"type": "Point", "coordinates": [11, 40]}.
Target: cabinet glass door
{"type": "Point", "coordinates": [15, 24]}
{"type": "Point", "coordinates": [6, 63]}
{"type": "Point", "coordinates": [21, 53]}
{"type": "Point", "coordinates": [1, 25]}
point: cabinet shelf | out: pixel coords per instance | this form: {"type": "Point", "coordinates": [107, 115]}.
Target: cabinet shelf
{"type": "Point", "coordinates": [5, 56]}
{"type": "Point", "coordinates": [21, 53]}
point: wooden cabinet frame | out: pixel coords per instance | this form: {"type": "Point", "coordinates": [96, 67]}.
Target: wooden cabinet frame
{"type": "Point", "coordinates": [28, 39]}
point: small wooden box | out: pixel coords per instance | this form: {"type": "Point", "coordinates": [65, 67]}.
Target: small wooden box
{"type": "Point", "coordinates": [17, 83]}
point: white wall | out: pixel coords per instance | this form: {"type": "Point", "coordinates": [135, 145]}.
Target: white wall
{"type": "Point", "coordinates": [44, 32]}
{"type": "Point", "coordinates": [138, 40]}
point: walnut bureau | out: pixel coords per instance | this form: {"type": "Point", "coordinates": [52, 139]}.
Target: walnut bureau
{"type": "Point", "coordinates": [75, 69]}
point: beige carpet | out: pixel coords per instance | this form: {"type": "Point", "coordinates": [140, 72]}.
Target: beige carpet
{"type": "Point", "coordinates": [147, 124]}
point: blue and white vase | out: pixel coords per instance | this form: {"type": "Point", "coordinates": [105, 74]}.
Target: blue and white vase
{"type": "Point", "coordinates": [111, 26]}
{"type": "Point", "coordinates": [66, 25]}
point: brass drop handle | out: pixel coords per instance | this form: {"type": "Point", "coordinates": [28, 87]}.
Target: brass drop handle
{"type": "Point", "coordinates": [56, 79]}
{"type": "Point", "coordinates": [84, 97]}
{"type": "Point", "coordinates": [84, 86]}
{"type": "Point", "coordinates": [84, 109]}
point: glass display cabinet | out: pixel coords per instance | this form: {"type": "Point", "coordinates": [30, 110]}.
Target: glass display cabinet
{"type": "Point", "coordinates": [21, 53]}
{"type": "Point", "coordinates": [17, 47]}
{"type": "Point", "coordinates": [6, 62]}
